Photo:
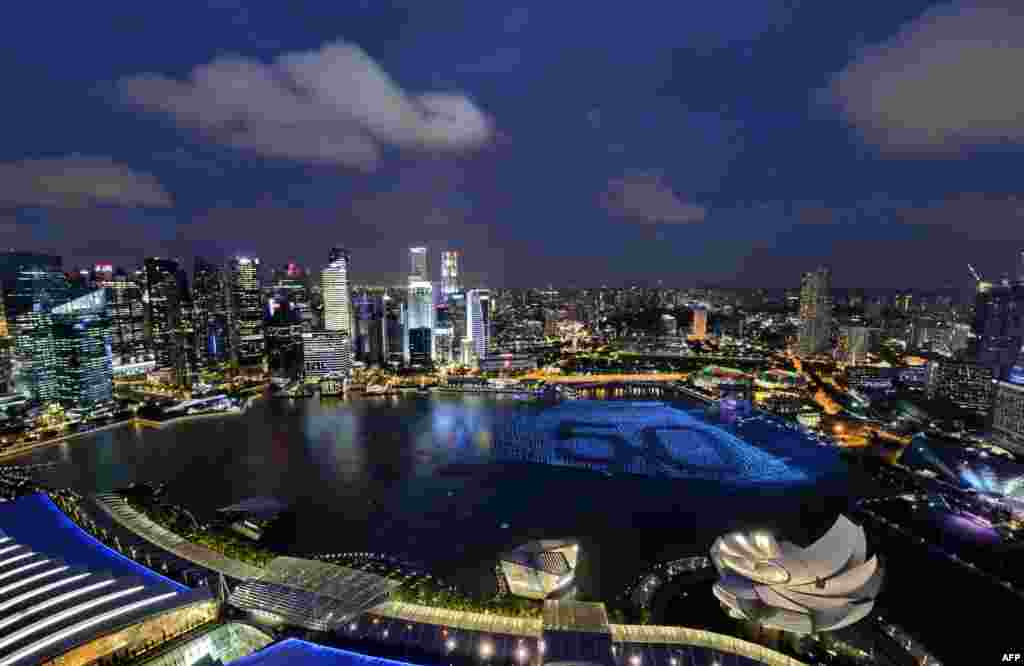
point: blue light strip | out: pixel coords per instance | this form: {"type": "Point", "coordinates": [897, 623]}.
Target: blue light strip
{"type": "Point", "coordinates": [295, 651]}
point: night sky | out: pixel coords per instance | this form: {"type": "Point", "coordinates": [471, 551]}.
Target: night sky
{"type": "Point", "coordinates": [737, 142]}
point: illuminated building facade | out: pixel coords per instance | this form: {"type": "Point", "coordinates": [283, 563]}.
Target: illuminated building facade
{"type": "Point", "coordinates": [669, 325]}
{"type": "Point", "coordinates": [163, 312]}
{"type": "Point", "coordinates": [815, 313]}
{"type": "Point", "coordinates": [419, 316]}
{"type": "Point", "coordinates": [478, 306]}
{"type": "Point", "coordinates": [999, 325]}
{"type": "Point", "coordinates": [540, 569]}
{"type": "Point", "coordinates": [967, 384]}
{"type": "Point", "coordinates": [209, 307]}
{"type": "Point", "coordinates": [336, 293]}
{"type": "Point", "coordinates": [392, 329]}
{"type": "Point", "coordinates": [420, 346]}
{"type": "Point", "coordinates": [127, 313]}
{"type": "Point", "coordinates": [1008, 412]}
{"type": "Point", "coordinates": [245, 312]}
{"type": "Point", "coordinates": [32, 285]}
{"type": "Point", "coordinates": [450, 276]}
{"type": "Point", "coordinates": [290, 290]}
{"type": "Point", "coordinates": [418, 265]}
{"type": "Point", "coordinates": [854, 343]}
{"type": "Point", "coordinates": [81, 338]}
{"type": "Point", "coordinates": [326, 354]}
{"type": "Point", "coordinates": [699, 329]}
{"type": "Point", "coordinates": [826, 586]}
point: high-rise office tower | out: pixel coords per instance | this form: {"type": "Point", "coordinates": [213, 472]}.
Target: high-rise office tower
{"type": "Point", "coordinates": [163, 312]}
{"type": "Point", "coordinates": [81, 336]}
{"type": "Point", "coordinates": [699, 328]}
{"type": "Point", "coordinates": [210, 315]}
{"type": "Point", "coordinates": [245, 312]}
{"type": "Point", "coordinates": [477, 306]}
{"type": "Point", "coordinates": [419, 316]}
{"type": "Point", "coordinates": [999, 326]}
{"type": "Point", "coordinates": [32, 285]}
{"type": "Point", "coordinates": [815, 312]}
{"type": "Point", "coordinates": [290, 289]}
{"type": "Point", "coordinates": [450, 277]}
{"type": "Point", "coordinates": [335, 291]}
{"type": "Point", "coordinates": [418, 265]}
{"type": "Point", "coordinates": [392, 332]}
{"type": "Point", "coordinates": [126, 311]}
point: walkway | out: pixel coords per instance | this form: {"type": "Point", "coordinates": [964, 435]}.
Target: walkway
{"type": "Point", "coordinates": [124, 515]}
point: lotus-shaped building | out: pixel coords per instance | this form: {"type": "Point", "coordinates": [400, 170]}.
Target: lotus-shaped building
{"type": "Point", "coordinates": [540, 569]}
{"type": "Point", "coordinates": [826, 586]}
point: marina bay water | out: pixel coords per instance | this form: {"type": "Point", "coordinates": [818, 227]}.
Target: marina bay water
{"type": "Point", "coordinates": [453, 481]}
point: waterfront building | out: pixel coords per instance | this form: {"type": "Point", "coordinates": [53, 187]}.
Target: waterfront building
{"type": "Point", "coordinates": [164, 298]}
{"type": "Point", "coordinates": [245, 312]}
{"type": "Point", "coordinates": [369, 320]}
{"type": "Point", "coordinates": [967, 384]}
{"type": "Point", "coordinates": [509, 362]}
{"type": "Point", "coordinates": [826, 586]}
{"type": "Point", "coordinates": [815, 313]}
{"type": "Point", "coordinates": [326, 354]}
{"type": "Point", "coordinates": [540, 569]}
{"type": "Point", "coordinates": [81, 337]}
{"type": "Point", "coordinates": [451, 279]}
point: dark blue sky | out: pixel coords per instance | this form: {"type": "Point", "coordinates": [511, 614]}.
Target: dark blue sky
{"type": "Point", "coordinates": [738, 142]}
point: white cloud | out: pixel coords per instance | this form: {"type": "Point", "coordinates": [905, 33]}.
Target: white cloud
{"type": "Point", "coordinates": [335, 105]}
{"type": "Point", "coordinates": [949, 79]}
{"type": "Point", "coordinates": [645, 197]}
{"type": "Point", "coordinates": [78, 182]}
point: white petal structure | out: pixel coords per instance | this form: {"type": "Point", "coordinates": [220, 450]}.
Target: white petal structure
{"type": "Point", "coordinates": [828, 585]}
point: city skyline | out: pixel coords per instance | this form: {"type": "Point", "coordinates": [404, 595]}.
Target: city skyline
{"type": "Point", "coordinates": [696, 155]}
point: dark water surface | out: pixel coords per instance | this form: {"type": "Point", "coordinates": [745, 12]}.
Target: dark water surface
{"type": "Point", "coordinates": [454, 481]}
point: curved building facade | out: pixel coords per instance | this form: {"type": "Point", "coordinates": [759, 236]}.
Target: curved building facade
{"type": "Point", "coordinates": [826, 586]}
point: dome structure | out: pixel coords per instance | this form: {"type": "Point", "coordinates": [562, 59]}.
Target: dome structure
{"type": "Point", "coordinates": [826, 586]}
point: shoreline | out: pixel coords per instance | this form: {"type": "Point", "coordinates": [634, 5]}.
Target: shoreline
{"type": "Point", "coordinates": [135, 420]}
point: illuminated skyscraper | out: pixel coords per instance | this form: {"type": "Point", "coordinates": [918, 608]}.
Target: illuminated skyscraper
{"type": "Point", "coordinates": [32, 285]}
{"type": "Point", "coordinates": [418, 265]}
{"type": "Point", "coordinates": [326, 354]}
{"type": "Point", "coordinates": [336, 294]}
{"type": "Point", "coordinates": [245, 312]}
{"type": "Point", "coordinates": [163, 312]}
{"type": "Point", "coordinates": [81, 335]}
{"type": "Point", "coordinates": [209, 303]}
{"type": "Point", "coordinates": [127, 313]}
{"type": "Point", "coordinates": [450, 276]}
{"type": "Point", "coordinates": [419, 316]}
{"type": "Point", "coordinates": [478, 321]}
{"type": "Point", "coordinates": [699, 329]}
{"type": "Point", "coordinates": [815, 312]}
{"type": "Point", "coordinates": [854, 342]}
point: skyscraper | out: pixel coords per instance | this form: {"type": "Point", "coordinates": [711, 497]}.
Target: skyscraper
{"type": "Point", "coordinates": [999, 326]}
{"type": "Point", "coordinates": [418, 265]}
{"type": "Point", "coordinates": [326, 354]}
{"type": "Point", "coordinates": [209, 308]}
{"type": "Point", "coordinates": [699, 328]}
{"type": "Point", "coordinates": [450, 276]}
{"type": "Point", "coordinates": [854, 343]}
{"type": "Point", "coordinates": [419, 316]}
{"type": "Point", "coordinates": [32, 285]}
{"type": "Point", "coordinates": [127, 313]}
{"type": "Point", "coordinates": [245, 312]}
{"type": "Point", "coordinates": [477, 315]}
{"type": "Point", "coordinates": [81, 335]}
{"type": "Point", "coordinates": [336, 294]}
{"type": "Point", "coordinates": [815, 312]}
{"type": "Point", "coordinates": [163, 312]}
